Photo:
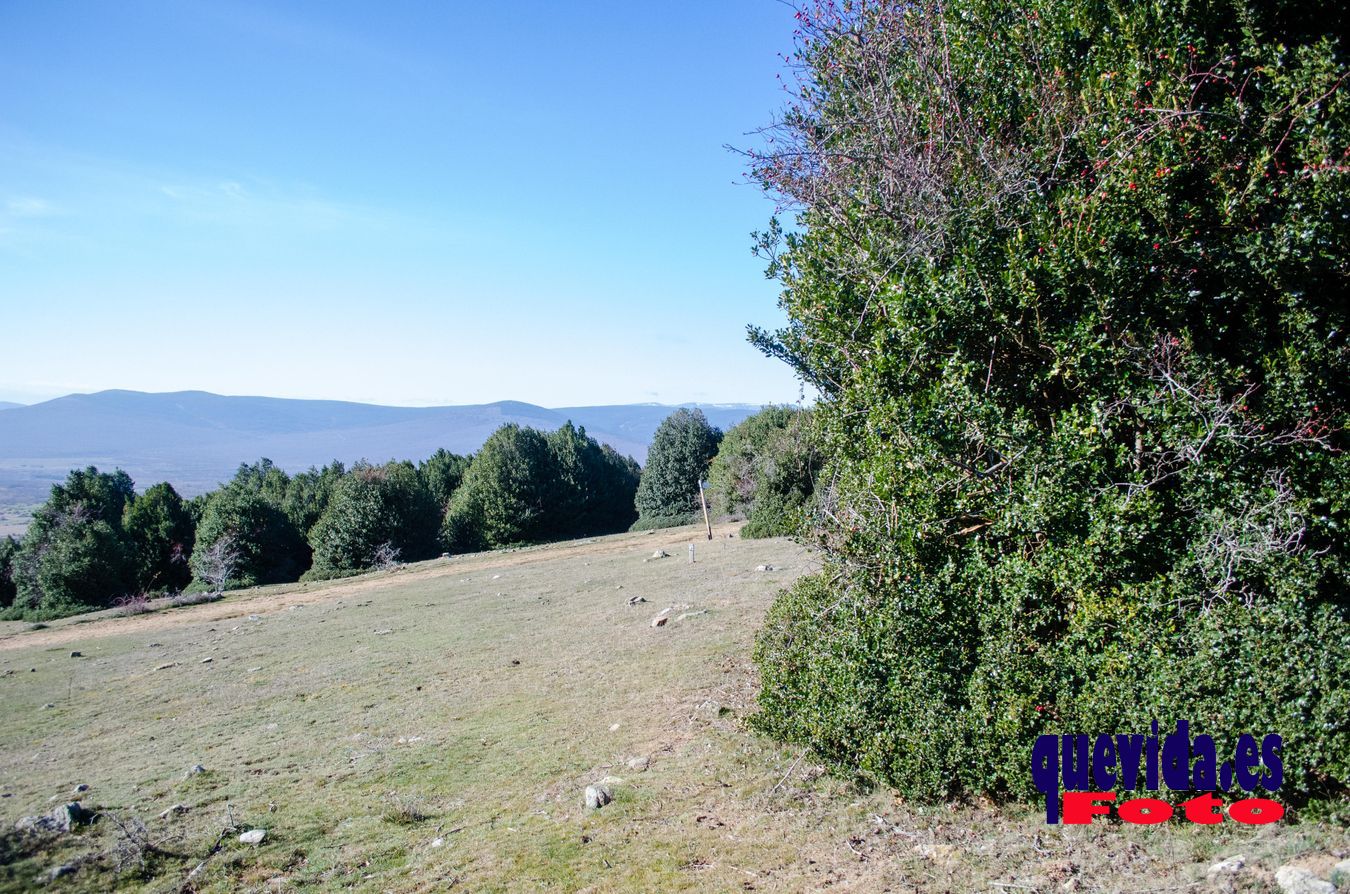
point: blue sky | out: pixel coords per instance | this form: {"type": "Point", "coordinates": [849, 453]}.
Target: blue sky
{"type": "Point", "coordinates": [397, 202]}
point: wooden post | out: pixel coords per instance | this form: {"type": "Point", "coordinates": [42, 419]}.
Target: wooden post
{"type": "Point", "coordinates": [703, 498]}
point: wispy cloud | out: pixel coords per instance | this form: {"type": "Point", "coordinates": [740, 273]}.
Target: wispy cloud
{"type": "Point", "coordinates": [29, 206]}
{"type": "Point", "coordinates": [83, 194]}
{"type": "Point", "coordinates": [256, 203]}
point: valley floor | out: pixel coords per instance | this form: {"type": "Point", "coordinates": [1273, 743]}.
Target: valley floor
{"type": "Point", "coordinates": [434, 728]}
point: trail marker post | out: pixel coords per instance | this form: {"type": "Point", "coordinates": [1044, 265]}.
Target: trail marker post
{"type": "Point", "coordinates": [703, 499]}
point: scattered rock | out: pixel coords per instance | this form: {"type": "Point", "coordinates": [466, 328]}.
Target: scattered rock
{"type": "Point", "coordinates": [81, 788]}
{"type": "Point", "coordinates": [383, 631]}
{"type": "Point", "coordinates": [1296, 880]}
{"type": "Point", "coordinates": [1231, 866]}
{"type": "Point", "coordinates": [254, 617]}
{"type": "Point", "coordinates": [76, 654]}
{"type": "Point", "coordinates": [496, 577]}
{"type": "Point", "coordinates": [659, 621]}
{"type": "Point", "coordinates": [614, 727]}
{"type": "Point", "coordinates": [57, 872]}
{"type": "Point", "coordinates": [1340, 874]}
{"type": "Point", "coordinates": [49, 705]}
{"type": "Point", "coordinates": [764, 568]}
{"type": "Point", "coordinates": [660, 554]}
{"type": "Point", "coordinates": [687, 615]}
{"type": "Point", "coordinates": [175, 810]}
{"type": "Point", "coordinates": [437, 842]}
{"type": "Point", "coordinates": [938, 853]}
{"type": "Point", "coordinates": [254, 670]}
{"type": "Point", "coordinates": [639, 764]}
{"type": "Point", "coordinates": [194, 770]}
{"type": "Point", "coordinates": [597, 796]}
{"type": "Point", "coordinates": [207, 660]}
{"type": "Point", "coordinates": [253, 836]}
{"type": "Point", "coordinates": [62, 819]}
{"type": "Point", "coordinates": [618, 586]}
{"type": "Point", "coordinates": [634, 600]}
{"type": "Point", "coordinates": [164, 667]}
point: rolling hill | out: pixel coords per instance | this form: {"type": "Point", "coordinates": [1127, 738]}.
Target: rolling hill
{"type": "Point", "coordinates": [195, 439]}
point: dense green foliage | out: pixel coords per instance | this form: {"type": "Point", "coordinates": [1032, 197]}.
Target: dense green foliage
{"type": "Point", "coordinates": [247, 514]}
{"type": "Point", "coordinates": [9, 549]}
{"type": "Point", "coordinates": [307, 495]}
{"type": "Point", "coordinates": [441, 473]}
{"type": "Point", "coordinates": [766, 469]}
{"type": "Point", "coordinates": [377, 515]}
{"type": "Point", "coordinates": [524, 486]}
{"type": "Point", "coordinates": [161, 534]}
{"type": "Point", "coordinates": [75, 555]}
{"type": "Point", "coordinates": [682, 448]}
{"type": "Point", "coordinates": [594, 486]}
{"type": "Point", "coordinates": [95, 541]}
{"type": "Point", "coordinates": [1071, 280]}
{"type": "Point", "coordinates": [504, 495]}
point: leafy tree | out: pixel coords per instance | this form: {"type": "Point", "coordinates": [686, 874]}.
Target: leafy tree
{"type": "Point", "coordinates": [261, 510]}
{"type": "Point", "coordinates": [681, 449]}
{"type": "Point", "coordinates": [268, 545]}
{"type": "Point", "coordinates": [766, 468]}
{"type": "Point", "coordinates": [375, 513]}
{"type": "Point", "coordinates": [506, 493]}
{"type": "Point", "coordinates": [160, 534]}
{"type": "Point", "coordinates": [616, 492]}
{"type": "Point", "coordinates": [263, 478]}
{"type": "Point", "coordinates": [74, 555]}
{"type": "Point", "coordinates": [308, 493]}
{"type": "Point", "coordinates": [594, 487]}
{"type": "Point", "coordinates": [9, 548]}
{"type": "Point", "coordinates": [441, 473]}
{"type": "Point", "coordinates": [1070, 279]}
{"type": "Point", "coordinates": [81, 564]}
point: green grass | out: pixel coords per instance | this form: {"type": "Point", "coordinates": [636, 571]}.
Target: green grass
{"type": "Point", "coordinates": [505, 683]}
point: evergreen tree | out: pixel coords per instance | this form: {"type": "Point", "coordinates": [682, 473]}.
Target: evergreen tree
{"type": "Point", "coordinates": [378, 514]}
{"type": "Point", "coordinates": [161, 535]}
{"type": "Point", "coordinates": [682, 448]}
{"type": "Point", "coordinates": [74, 555]}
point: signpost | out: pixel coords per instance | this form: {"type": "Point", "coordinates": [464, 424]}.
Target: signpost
{"type": "Point", "coordinates": [703, 498]}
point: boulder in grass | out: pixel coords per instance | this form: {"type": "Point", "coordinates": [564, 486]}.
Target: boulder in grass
{"type": "Point", "coordinates": [597, 796]}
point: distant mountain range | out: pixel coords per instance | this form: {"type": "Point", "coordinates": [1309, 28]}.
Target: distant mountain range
{"type": "Point", "coordinates": [195, 440]}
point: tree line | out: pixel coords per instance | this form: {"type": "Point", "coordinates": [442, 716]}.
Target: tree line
{"type": "Point", "coordinates": [97, 542]}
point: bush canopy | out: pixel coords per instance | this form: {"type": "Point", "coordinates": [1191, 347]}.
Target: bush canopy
{"type": "Point", "coordinates": [1070, 278]}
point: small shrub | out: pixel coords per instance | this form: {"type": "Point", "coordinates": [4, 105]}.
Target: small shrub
{"type": "Point", "coordinates": [656, 522]}
{"type": "Point", "coordinates": [189, 597]}
{"type": "Point", "coordinates": [135, 604]}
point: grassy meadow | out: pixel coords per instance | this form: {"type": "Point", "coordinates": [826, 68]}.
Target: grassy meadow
{"type": "Point", "coordinates": [433, 728]}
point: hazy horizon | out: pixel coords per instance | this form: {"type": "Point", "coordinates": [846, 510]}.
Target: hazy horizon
{"type": "Point", "coordinates": [410, 406]}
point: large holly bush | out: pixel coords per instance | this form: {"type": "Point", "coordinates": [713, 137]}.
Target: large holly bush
{"type": "Point", "coordinates": [1071, 280]}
